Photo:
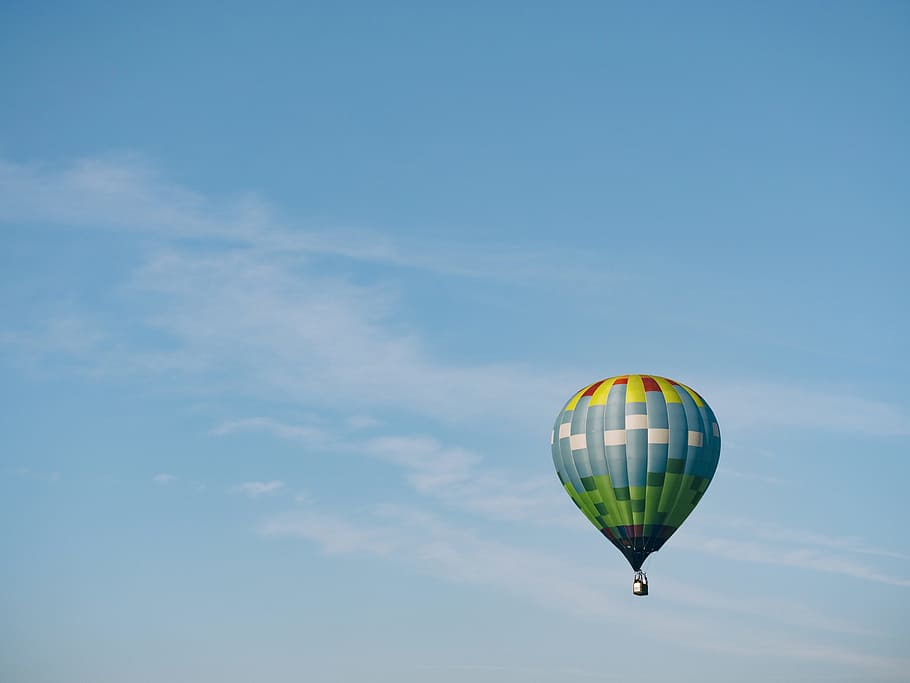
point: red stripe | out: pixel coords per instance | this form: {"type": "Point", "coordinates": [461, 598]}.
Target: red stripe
{"type": "Point", "coordinates": [650, 384]}
{"type": "Point", "coordinates": [591, 389]}
{"type": "Point", "coordinates": [622, 380]}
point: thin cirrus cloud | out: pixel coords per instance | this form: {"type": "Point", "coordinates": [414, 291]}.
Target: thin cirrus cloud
{"type": "Point", "coordinates": [245, 304]}
{"type": "Point", "coordinates": [251, 325]}
{"type": "Point", "coordinates": [126, 193]}
{"type": "Point", "coordinates": [746, 404]}
{"type": "Point", "coordinates": [119, 194]}
{"type": "Point", "coordinates": [453, 475]}
{"type": "Point", "coordinates": [804, 537]}
{"type": "Point", "coordinates": [252, 319]}
{"type": "Point", "coordinates": [430, 546]}
{"type": "Point", "coordinates": [304, 335]}
{"type": "Point", "coordinates": [784, 555]}
{"type": "Point", "coordinates": [458, 478]}
{"type": "Point", "coordinates": [277, 428]}
{"type": "Point", "coordinates": [257, 489]}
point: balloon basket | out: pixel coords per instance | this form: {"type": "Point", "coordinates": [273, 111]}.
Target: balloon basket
{"type": "Point", "coordinates": [640, 584]}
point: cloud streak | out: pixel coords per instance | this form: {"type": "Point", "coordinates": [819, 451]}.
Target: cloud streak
{"type": "Point", "coordinates": [432, 547]}
{"type": "Point", "coordinates": [269, 425]}
{"type": "Point", "coordinates": [125, 193]}
{"type": "Point", "coordinates": [257, 489]}
{"type": "Point", "coordinates": [458, 478]}
{"type": "Point", "coordinates": [803, 557]}
{"type": "Point", "coordinates": [453, 475]}
{"type": "Point", "coordinates": [746, 404]}
{"type": "Point", "coordinates": [803, 537]}
{"type": "Point", "coordinates": [256, 306]}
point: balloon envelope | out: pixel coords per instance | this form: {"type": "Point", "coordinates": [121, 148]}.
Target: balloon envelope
{"type": "Point", "coordinates": [636, 453]}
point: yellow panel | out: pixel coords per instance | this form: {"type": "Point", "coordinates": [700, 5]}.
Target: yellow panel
{"type": "Point", "coordinates": [670, 395]}
{"type": "Point", "coordinates": [695, 397]}
{"type": "Point", "coordinates": [574, 401]}
{"type": "Point", "coordinates": [599, 397]}
{"type": "Point", "coordinates": [635, 393]}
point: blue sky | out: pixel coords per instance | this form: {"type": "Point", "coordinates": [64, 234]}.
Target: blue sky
{"type": "Point", "coordinates": [292, 293]}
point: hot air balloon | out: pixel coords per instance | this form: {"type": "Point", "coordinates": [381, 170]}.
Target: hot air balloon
{"type": "Point", "coordinates": [636, 453]}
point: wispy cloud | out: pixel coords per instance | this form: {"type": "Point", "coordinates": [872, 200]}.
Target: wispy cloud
{"type": "Point", "coordinates": [263, 327]}
{"type": "Point", "coordinates": [164, 479]}
{"type": "Point", "coordinates": [255, 309]}
{"type": "Point", "coordinates": [126, 193]}
{"type": "Point", "coordinates": [284, 330]}
{"type": "Point", "coordinates": [256, 489]}
{"type": "Point", "coordinates": [436, 548]}
{"type": "Point", "coordinates": [430, 466]}
{"type": "Point", "coordinates": [803, 537]}
{"type": "Point", "coordinates": [433, 547]}
{"type": "Point", "coordinates": [120, 193]}
{"type": "Point", "coordinates": [274, 427]}
{"type": "Point", "coordinates": [744, 404]}
{"type": "Point", "coordinates": [458, 477]}
{"type": "Point", "coordinates": [454, 475]}
{"type": "Point", "coordinates": [801, 557]}
{"type": "Point", "coordinates": [333, 534]}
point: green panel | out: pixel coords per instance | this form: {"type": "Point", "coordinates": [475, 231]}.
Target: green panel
{"type": "Point", "coordinates": [652, 503]}
{"type": "Point", "coordinates": [671, 488]}
{"type": "Point", "coordinates": [676, 465]}
{"type": "Point", "coordinates": [656, 478]}
{"type": "Point", "coordinates": [608, 494]}
{"type": "Point", "coordinates": [637, 495]}
{"type": "Point", "coordinates": [592, 496]}
{"type": "Point", "coordinates": [691, 490]}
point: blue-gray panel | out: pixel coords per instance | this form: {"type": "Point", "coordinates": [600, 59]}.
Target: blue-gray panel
{"type": "Point", "coordinates": [679, 430]}
{"type": "Point", "coordinates": [695, 424]}
{"type": "Point", "coordinates": [615, 415]}
{"type": "Point", "coordinates": [657, 457]}
{"type": "Point", "coordinates": [637, 408]}
{"type": "Point", "coordinates": [596, 453]}
{"type": "Point", "coordinates": [657, 410]}
{"type": "Point", "coordinates": [579, 426]}
{"type": "Point", "coordinates": [637, 456]}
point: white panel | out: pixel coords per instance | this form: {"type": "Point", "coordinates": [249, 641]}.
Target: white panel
{"type": "Point", "coordinates": [696, 438]}
{"type": "Point", "coordinates": [552, 437]}
{"type": "Point", "coordinates": [578, 441]}
{"type": "Point", "coordinates": [715, 428]}
{"type": "Point", "coordinates": [636, 421]}
{"type": "Point", "coordinates": [565, 429]}
{"type": "Point", "coordinates": [615, 437]}
{"type": "Point", "coordinates": [658, 436]}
